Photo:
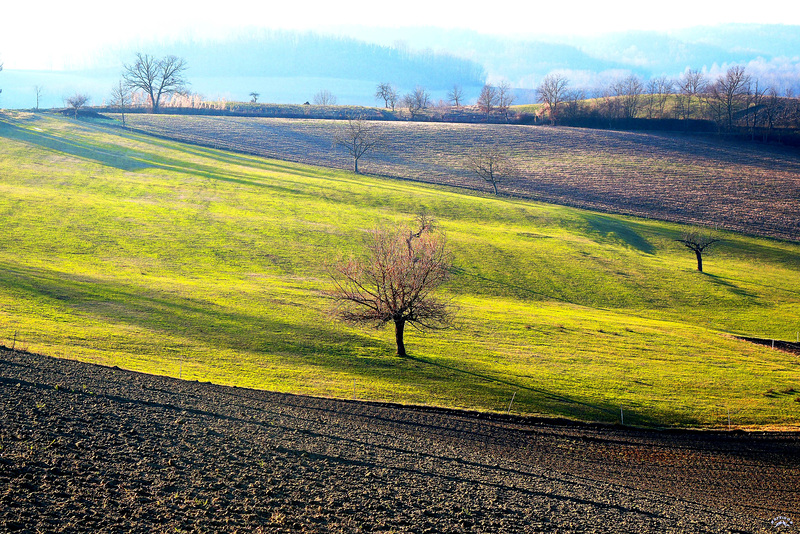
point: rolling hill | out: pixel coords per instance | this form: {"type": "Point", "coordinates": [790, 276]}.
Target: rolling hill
{"type": "Point", "coordinates": [692, 179]}
{"type": "Point", "coordinates": [149, 254]}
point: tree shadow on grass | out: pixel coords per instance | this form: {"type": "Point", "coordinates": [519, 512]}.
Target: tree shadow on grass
{"type": "Point", "coordinates": [160, 312]}
{"type": "Point", "coordinates": [117, 159]}
{"type": "Point", "coordinates": [73, 148]}
{"type": "Point", "coordinates": [727, 284]}
{"type": "Point", "coordinates": [323, 348]}
{"type": "Point", "coordinates": [612, 228]}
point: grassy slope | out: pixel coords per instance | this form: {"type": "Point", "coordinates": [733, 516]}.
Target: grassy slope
{"type": "Point", "coordinates": [154, 256]}
{"type": "Point", "coordinates": [754, 187]}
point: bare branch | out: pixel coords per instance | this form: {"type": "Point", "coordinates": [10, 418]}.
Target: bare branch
{"type": "Point", "coordinates": [698, 240]}
{"type": "Point", "coordinates": [358, 137]}
{"type": "Point", "coordinates": [395, 280]}
{"type": "Point", "coordinates": [491, 164]}
{"type": "Point", "coordinates": [156, 77]}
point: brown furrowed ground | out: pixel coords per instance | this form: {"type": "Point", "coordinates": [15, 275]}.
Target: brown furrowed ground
{"type": "Point", "coordinates": [745, 187]}
{"type": "Point", "coordinates": [85, 448]}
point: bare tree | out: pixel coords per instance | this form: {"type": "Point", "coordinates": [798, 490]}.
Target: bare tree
{"type": "Point", "coordinates": [552, 92]}
{"type": "Point", "coordinates": [754, 104]}
{"type": "Point", "coordinates": [418, 100]}
{"type": "Point", "coordinates": [487, 99]}
{"type": "Point", "coordinates": [491, 164]}
{"type": "Point", "coordinates": [38, 90]}
{"type": "Point", "coordinates": [770, 113]}
{"type": "Point", "coordinates": [358, 137]}
{"type": "Point", "coordinates": [456, 95]}
{"type": "Point", "coordinates": [691, 85]}
{"type": "Point", "coordinates": [728, 94]}
{"type": "Point", "coordinates": [629, 92]}
{"type": "Point", "coordinates": [77, 101]}
{"type": "Point", "coordinates": [254, 97]}
{"type": "Point", "coordinates": [574, 103]}
{"type": "Point", "coordinates": [395, 282]}
{"type": "Point", "coordinates": [324, 98]}
{"type": "Point", "coordinates": [121, 97]}
{"type": "Point", "coordinates": [658, 92]}
{"type": "Point", "coordinates": [156, 77]}
{"type": "Point", "coordinates": [698, 240]}
{"type": "Point", "coordinates": [505, 97]}
{"type": "Point", "coordinates": [388, 94]}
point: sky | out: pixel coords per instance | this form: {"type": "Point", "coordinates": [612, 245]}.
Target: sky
{"type": "Point", "coordinates": [52, 34]}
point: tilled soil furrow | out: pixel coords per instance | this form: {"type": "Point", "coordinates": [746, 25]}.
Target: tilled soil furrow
{"type": "Point", "coordinates": [90, 448]}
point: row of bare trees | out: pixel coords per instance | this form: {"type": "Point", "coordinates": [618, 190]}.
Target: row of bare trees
{"type": "Point", "coordinates": [492, 99]}
{"type": "Point", "coordinates": [732, 100]}
{"type": "Point", "coordinates": [496, 99]}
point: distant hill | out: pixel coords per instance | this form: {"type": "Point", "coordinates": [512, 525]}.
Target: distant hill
{"type": "Point", "coordinates": [290, 66]}
{"type": "Point", "coordinates": [284, 67]}
{"type": "Point", "coordinates": [592, 60]}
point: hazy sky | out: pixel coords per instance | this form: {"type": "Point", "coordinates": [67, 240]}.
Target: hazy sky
{"type": "Point", "coordinates": [46, 33]}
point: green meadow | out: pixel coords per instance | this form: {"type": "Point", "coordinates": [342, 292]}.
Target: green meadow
{"type": "Point", "coordinates": [123, 249]}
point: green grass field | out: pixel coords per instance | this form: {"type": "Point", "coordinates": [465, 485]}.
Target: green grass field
{"type": "Point", "coordinates": [126, 250]}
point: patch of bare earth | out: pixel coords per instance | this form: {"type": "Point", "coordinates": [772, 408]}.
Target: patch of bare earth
{"type": "Point", "coordinates": [94, 449]}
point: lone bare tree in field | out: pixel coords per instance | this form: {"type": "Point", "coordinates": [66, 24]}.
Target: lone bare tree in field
{"type": "Point", "coordinates": [698, 240]}
{"type": "Point", "coordinates": [121, 97]}
{"type": "Point", "coordinates": [38, 90]}
{"type": "Point", "coordinates": [156, 77]}
{"type": "Point", "coordinates": [395, 281]}
{"type": "Point", "coordinates": [358, 137]}
{"type": "Point", "coordinates": [77, 101]}
{"type": "Point", "coordinates": [254, 97]}
{"type": "Point", "coordinates": [491, 164]}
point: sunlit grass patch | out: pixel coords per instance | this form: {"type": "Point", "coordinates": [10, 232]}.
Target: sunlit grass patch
{"type": "Point", "coordinates": [125, 250]}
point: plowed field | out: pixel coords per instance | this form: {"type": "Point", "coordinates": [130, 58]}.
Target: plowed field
{"type": "Point", "coordinates": [94, 449]}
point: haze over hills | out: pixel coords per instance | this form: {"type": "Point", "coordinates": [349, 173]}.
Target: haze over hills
{"type": "Point", "coordinates": [291, 66]}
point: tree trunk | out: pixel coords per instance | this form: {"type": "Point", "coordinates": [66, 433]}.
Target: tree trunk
{"type": "Point", "coordinates": [699, 260]}
{"type": "Point", "coordinates": [399, 326]}
{"type": "Point", "coordinates": [355, 165]}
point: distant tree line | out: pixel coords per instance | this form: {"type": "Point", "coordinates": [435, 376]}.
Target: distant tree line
{"type": "Point", "coordinates": [733, 102]}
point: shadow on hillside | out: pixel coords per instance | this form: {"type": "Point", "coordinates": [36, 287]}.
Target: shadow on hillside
{"type": "Point", "coordinates": [613, 229]}
{"type": "Point", "coordinates": [168, 318]}
{"type": "Point", "coordinates": [727, 284]}
{"type": "Point", "coordinates": [73, 148]}
{"type": "Point", "coordinates": [160, 312]}
{"type": "Point", "coordinates": [547, 402]}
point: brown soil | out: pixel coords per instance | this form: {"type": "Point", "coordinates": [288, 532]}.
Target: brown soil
{"type": "Point", "coordinates": [785, 346]}
{"type": "Point", "coordinates": [90, 448]}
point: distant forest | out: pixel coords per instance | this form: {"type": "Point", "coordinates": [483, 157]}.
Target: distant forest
{"type": "Point", "coordinates": [293, 54]}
